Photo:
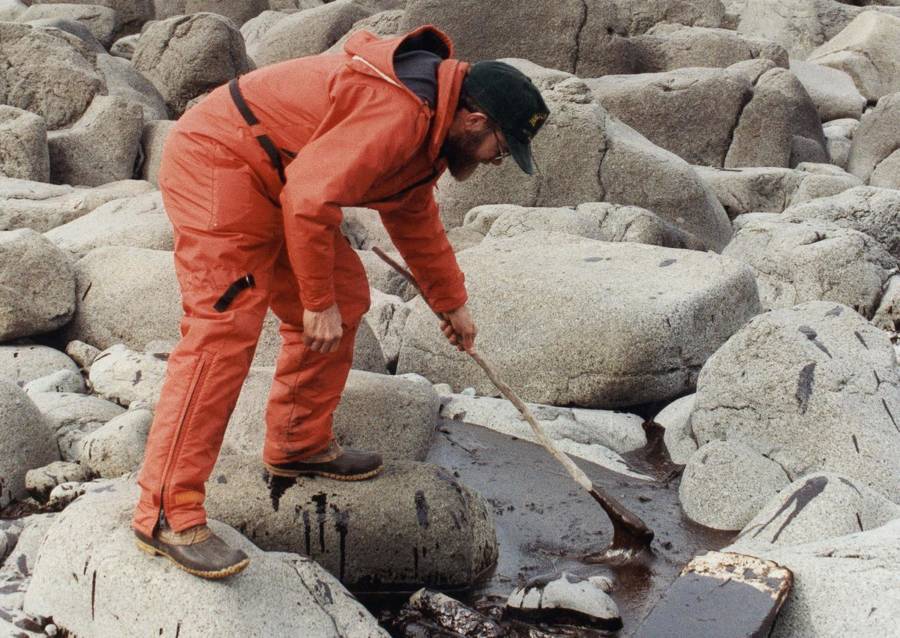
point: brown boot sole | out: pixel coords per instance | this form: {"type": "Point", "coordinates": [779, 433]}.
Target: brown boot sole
{"type": "Point", "coordinates": [338, 477]}
{"type": "Point", "coordinates": [211, 575]}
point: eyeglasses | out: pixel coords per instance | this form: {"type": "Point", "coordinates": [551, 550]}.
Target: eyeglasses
{"type": "Point", "coordinates": [501, 153]}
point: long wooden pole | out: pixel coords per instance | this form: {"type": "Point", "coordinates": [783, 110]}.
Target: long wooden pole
{"type": "Point", "coordinates": [629, 531]}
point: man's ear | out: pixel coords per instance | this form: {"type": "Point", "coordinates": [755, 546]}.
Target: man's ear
{"type": "Point", "coordinates": [475, 121]}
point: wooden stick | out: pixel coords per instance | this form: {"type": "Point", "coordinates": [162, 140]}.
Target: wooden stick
{"type": "Point", "coordinates": [629, 531]}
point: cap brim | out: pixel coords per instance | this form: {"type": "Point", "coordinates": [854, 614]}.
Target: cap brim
{"type": "Point", "coordinates": [521, 152]}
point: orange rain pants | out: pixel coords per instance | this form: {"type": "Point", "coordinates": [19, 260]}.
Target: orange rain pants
{"type": "Point", "coordinates": [361, 139]}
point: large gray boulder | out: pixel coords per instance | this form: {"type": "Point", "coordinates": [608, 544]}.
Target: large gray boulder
{"type": "Point", "coordinates": [153, 140]}
{"type": "Point", "coordinates": [40, 206]}
{"type": "Point", "coordinates": [845, 586]}
{"type": "Point", "coordinates": [72, 27]}
{"type": "Point", "coordinates": [186, 56]}
{"type": "Point", "coordinates": [59, 381]}
{"type": "Point", "coordinates": [41, 481]}
{"type": "Point", "coordinates": [48, 72]}
{"type": "Point", "coordinates": [868, 50]}
{"type": "Point", "coordinates": [124, 46]}
{"type": "Point", "coordinates": [771, 189]}
{"type": "Point", "coordinates": [831, 90]}
{"type": "Point", "coordinates": [254, 29]}
{"type": "Point", "coordinates": [725, 483]}
{"type": "Point", "coordinates": [867, 209]}
{"type": "Point", "coordinates": [72, 416]}
{"type": "Point", "coordinates": [117, 447]}
{"type": "Point", "coordinates": [99, 148]}
{"type": "Point", "coordinates": [26, 441]}
{"type": "Point", "coordinates": [813, 259]}
{"type": "Point", "coordinates": [587, 38]}
{"type": "Point", "coordinates": [596, 220]}
{"type": "Point", "coordinates": [586, 155]}
{"type": "Point", "coordinates": [779, 126]}
{"type": "Point", "coordinates": [37, 291]}
{"type": "Point", "coordinates": [23, 145]}
{"type": "Point", "coordinates": [383, 277]}
{"type": "Point", "coordinates": [802, 25]}
{"type": "Point", "coordinates": [393, 416]}
{"type": "Point", "coordinates": [91, 580]}
{"type": "Point", "coordinates": [125, 376]}
{"type": "Point", "coordinates": [813, 388]}
{"type": "Point", "coordinates": [876, 141]}
{"type": "Point", "coordinates": [26, 363]}
{"type": "Point", "coordinates": [307, 32]}
{"type": "Point", "coordinates": [387, 318]}
{"type": "Point", "coordinates": [672, 309]}
{"type": "Point", "coordinates": [125, 295]}
{"type": "Point", "coordinates": [26, 535]}
{"type": "Point", "coordinates": [384, 24]}
{"type": "Point", "coordinates": [887, 174]}
{"type": "Point", "coordinates": [690, 112]}
{"type": "Point", "coordinates": [238, 11]}
{"type": "Point", "coordinates": [675, 418]}
{"type": "Point", "coordinates": [10, 10]}
{"type": "Point", "coordinates": [123, 81]}
{"type": "Point", "coordinates": [838, 138]}
{"type": "Point", "coordinates": [815, 507]}
{"type": "Point", "coordinates": [447, 529]}
{"type": "Point", "coordinates": [130, 14]}
{"type": "Point", "coordinates": [668, 46]}
{"type": "Point", "coordinates": [100, 20]}
{"type": "Point", "coordinates": [139, 222]}
{"type": "Point", "coordinates": [887, 316]}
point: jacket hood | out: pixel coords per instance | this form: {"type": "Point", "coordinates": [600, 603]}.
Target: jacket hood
{"type": "Point", "coordinates": [379, 53]}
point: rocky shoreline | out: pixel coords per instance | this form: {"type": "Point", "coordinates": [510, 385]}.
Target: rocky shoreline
{"type": "Point", "coordinates": [698, 296]}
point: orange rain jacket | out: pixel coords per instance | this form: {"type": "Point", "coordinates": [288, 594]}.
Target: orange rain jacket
{"type": "Point", "coordinates": [356, 144]}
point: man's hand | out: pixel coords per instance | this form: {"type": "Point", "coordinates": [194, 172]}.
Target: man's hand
{"type": "Point", "coordinates": [322, 331]}
{"type": "Point", "coordinates": [459, 328]}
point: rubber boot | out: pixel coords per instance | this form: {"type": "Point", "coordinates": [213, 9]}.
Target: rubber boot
{"type": "Point", "coordinates": [197, 551]}
{"type": "Point", "coordinates": [342, 464]}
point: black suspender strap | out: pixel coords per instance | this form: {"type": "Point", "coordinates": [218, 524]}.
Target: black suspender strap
{"type": "Point", "coordinates": [264, 140]}
{"type": "Point", "coordinates": [225, 300]}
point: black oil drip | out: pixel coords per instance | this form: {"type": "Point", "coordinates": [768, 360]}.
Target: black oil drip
{"type": "Point", "coordinates": [805, 383]}
{"type": "Point", "coordinates": [416, 561]}
{"type": "Point", "coordinates": [278, 485]}
{"type": "Point", "coordinates": [307, 531]}
{"type": "Point", "coordinates": [93, 592]}
{"type": "Point", "coordinates": [888, 410]}
{"type": "Point", "coordinates": [342, 525]}
{"type": "Point", "coordinates": [800, 499]}
{"type": "Point", "coordinates": [850, 485]}
{"type": "Point", "coordinates": [421, 509]}
{"type": "Point", "coordinates": [812, 336]}
{"type": "Point", "coordinates": [321, 502]}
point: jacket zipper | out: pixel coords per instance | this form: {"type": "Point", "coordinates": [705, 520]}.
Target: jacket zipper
{"type": "Point", "coordinates": [188, 411]}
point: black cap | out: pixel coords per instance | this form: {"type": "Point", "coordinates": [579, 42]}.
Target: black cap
{"type": "Point", "coordinates": [510, 99]}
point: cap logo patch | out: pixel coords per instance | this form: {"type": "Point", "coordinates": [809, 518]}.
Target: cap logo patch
{"type": "Point", "coordinates": [537, 119]}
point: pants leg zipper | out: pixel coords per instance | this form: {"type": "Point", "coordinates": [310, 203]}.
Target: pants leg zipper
{"type": "Point", "coordinates": [183, 421]}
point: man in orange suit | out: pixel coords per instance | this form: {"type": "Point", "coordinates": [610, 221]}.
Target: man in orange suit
{"type": "Point", "coordinates": [253, 179]}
